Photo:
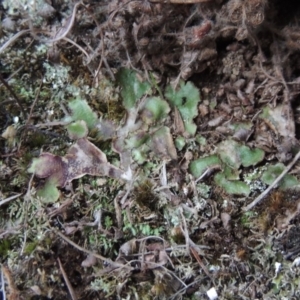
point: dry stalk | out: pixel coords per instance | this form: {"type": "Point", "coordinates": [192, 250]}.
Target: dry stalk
{"type": "Point", "coordinates": [33, 104]}
{"type": "Point", "coordinates": [67, 281]}
{"type": "Point", "coordinates": [63, 32]}
{"type": "Point", "coordinates": [273, 185]}
{"type": "Point", "coordinates": [114, 264]}
{"type": "Point", "coordinates": [79, 47]}
{"type": "Point", "coordinates": [14, 96]}
{"type": "Point", "coordinates": [4, 201]}
{"type": "Point", "coordinates": [184, 289]}
{"type": "Point", "coordinates": [13, 39]}
{"type": "Point", "coordinates": [25, 221]}
{"type": "Point", "coordinates": [191, 247]}
{"type": "Point", "coordinates": [14, 293]}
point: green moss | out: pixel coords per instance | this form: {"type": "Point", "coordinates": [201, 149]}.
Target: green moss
{"type": "Point", "coordinates": [30, 247]}
{"type": "Point", "coordinates": [5, 246]}
{"type": "Point", "coordinates": [144, 195]}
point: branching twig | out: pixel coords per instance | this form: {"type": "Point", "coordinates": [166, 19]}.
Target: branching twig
{"type": "Point", "coordinates": [276, 181]}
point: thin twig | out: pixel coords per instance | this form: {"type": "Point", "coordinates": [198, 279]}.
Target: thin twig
{"type": "Point", "coordinates": [184, 289]}
{"type": "Point", "coordinates": [78, 247]}
{"type": "Point", "coordinates": [79, 47]}
{"type": "Point", "coordinates": [12, 288]}
{"type": "Point", "coordinates": [201, 264]}
{"type": "Point", "coordinates": [67, 281]}
{"type": "Point", "coordinates": [33, 104]}
{"type": "Point", "coordinates": [114, 264]}
{"type": "Point", "coordinates": [25, 221]}
{"type": "Point", "coordinates": [13, 39]}
{"type": "Point", "coordinates": [11, 76]}
{"type": "Point", "coordinates": [14, 95]}
{"type": "Point", "coordinates": [63, 32]}
{"type": "Point", "coordinates": [185, 231]}
{"type": "Point", "coordinates": [276, 181]}
{"type": "Point", "coordinates": [191, 247]}
{"type": "Point", "coordinates": [51, 124]}
{"type": "Point", "coordinates": [2, 202]}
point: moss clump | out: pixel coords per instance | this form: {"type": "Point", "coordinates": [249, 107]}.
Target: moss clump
{"type": "Point", "coordinates": [145, 196]}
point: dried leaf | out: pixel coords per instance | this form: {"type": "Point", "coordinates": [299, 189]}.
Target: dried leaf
{"type": "Point", "coordinates": [162, 143]}
{"type": "Point", "coordinates": [82, 158]}
{"type": "Point", "coordinates": [178, 123]}
{"type": "Point", "coordinates": [282, 222]}
{"type": "Point", "coordinates": [128, 248]}
{"type": "Point", "coordinates": [89, 261]}
{"type": "Point", "coordinates": [280, 119]}
{"type": "Point", "coordinates": [225, 217]}
{"type": "Point", "coordinates": [10, 135]}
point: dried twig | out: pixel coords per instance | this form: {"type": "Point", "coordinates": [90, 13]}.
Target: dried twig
{"type": "Point", "coordinates": [201, 264]}
{"type": "Point", "coordinates": [184, 289]}
{"type": "Point", "coordinates": [185, 231]}
{"type": "Point", "coordinates": [66, 28]}
{"type": "Point", "coordinates": [14, 293]}
{"type": "Point", "coordinates": [276, 181]}
{"type": "Point", "coordinates": [191, 247]}
{"type": "Point", "coordinates": [13, 39]}
{"type": "Point", "coordinates": [25, 213]}
{"type": "Point", "coordinates": [33, 104]}
{"type": "Point", "coordinates": [10, 77]}
{"type": "Point", "coordinates": [12, 230]}
{"type": "Point", "coordinates": [14, 95]}
{"type": "Point", "coordinates": [114, 264]}
{"type": "Point", "coordinates": [79, 47]}
{"type": "Point", "coordinates": [2, 202]}
{"type": "Point", "coordinates": [67, 281]}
